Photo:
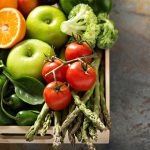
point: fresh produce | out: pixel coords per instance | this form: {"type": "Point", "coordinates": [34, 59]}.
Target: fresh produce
{"type": "Point", "coordinates": [28, 89]}
{"type": "Point", "coordinates": [78, 49]}
{"type": "Point", "coordinates": [57, 130]}
{"type": "Point", "coordinates": [14, 102]}
{"type": "Point", "coordinates": [33, 131]}
{"type": "Point", "coordinates": [26, 117]}
{"type": "Point", "coordinates": [57, 95]}
{"type": "Point", "coordinates": [105, 112]}
{"type": "Point", "coordinates": [40, 89]}
{"type": "Point", "coordinates": [85, 135]}
{"type": "Point", "coordinates": [81, 76]}
{"type": "Point", "coordinates": [26, 6]}
{"type": "Point", "coordinates": [22, 118]}
{"type": "Point", "coordinates": [8, 3]}
{"type": "Point", "coordinates": [96, 5]}
{"type": "Point", "coordinates": [46, 124]}
{"type": "Point", "coordinates": [29, 58]}
{"type": "Point", "coordinates": [60, 73]}
{"type": "Point", "coordinates": [108, 33]}
{"type": "Point", "coordinates": [88, 113]}
{"type": "Point", "coordinates": [82, 21]}
{"type": "Point", "coordinates": [12, 27]}
{"type": "Point", "coordinates": [47, 20]}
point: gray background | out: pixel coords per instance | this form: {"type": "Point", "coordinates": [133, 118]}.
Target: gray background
{"type": "Point", "coordinates": [130, 81]}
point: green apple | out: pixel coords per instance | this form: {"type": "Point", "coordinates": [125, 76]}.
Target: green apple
{"type": "Point", "coordinates": [44, 22]}
{"type": "Point", "coordinates": [27, 58]}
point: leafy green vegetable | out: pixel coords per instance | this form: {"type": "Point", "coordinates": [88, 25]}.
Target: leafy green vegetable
{"type": "Point", "coordinates": [28, 89]}
{"type": "Point", "coordinates": [108, 33]}
{"type": "Point", "coordinates": [82, 21]}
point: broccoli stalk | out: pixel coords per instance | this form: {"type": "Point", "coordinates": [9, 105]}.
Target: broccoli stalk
{"type": "Point", "coordinates": [82, 21]}
{"type": "Point", "coordinates": [108, 33]}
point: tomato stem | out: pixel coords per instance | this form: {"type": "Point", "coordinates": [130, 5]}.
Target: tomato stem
{"type": "Point", "coordinates": [54, 75]}
{"type": "Point", "coordinates": [68, 62]}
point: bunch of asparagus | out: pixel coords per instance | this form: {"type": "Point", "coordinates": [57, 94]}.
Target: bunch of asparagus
{"type": "Point", "coordinates": [82, 119]}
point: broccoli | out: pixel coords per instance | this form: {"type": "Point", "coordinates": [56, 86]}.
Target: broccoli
{"type": "Point", "coordinates": [108, 34]}
{"type": "Point", "coordinates": [82, 21]}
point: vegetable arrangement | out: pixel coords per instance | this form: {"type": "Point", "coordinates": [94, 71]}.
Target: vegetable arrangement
{"type": "Point", "coordinates": [55, 75]}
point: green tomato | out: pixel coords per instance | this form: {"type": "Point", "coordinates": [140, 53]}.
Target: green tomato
{"type": "Point", "coordinates": [27, 58]}
{"type": "Point", "coordinates": [44, 22]}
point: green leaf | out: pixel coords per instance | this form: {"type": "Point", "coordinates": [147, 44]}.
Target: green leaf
{"type": "Point", "coordinates": [28, 89]}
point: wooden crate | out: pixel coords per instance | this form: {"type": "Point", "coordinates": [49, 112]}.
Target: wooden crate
{"type": "Point", "coordinates": [15, 134]}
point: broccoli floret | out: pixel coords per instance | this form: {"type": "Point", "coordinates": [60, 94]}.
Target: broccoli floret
{"type": "Point", "coordinates": [108, 33]}
{"type": "Point", "coordinates": [82, 21]}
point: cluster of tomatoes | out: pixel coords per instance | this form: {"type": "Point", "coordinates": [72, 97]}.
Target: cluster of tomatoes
{"type": "Point", "coordinates": [64, 76]}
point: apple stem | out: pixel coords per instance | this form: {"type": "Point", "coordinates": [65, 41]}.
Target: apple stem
{"type": "Point", "coordinates": [68, 62]}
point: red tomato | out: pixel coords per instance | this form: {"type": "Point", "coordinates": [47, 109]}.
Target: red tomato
{"type": "Point", "coordinates": [78, 78]}
{"type": "Point", "coordinates": [75, 50]}
{"type": "Point", "coordinates": [57, 99]}
{"type": "Point", "coordinates": [60, 73]}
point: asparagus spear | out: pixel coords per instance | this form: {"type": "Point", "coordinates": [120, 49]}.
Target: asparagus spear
{"type": "Point", "coordinates": [57, 131]}
{"type": "Point", "coordinates": [106, 115]}
{"type": "Point", "coordinates": [88, 113]}
{"type": "Point", "coordinates": [92, 132]}
{"type": "Point", "coordinates": [76, 111]}
{"type": "Point", "coordinates": [46, 124]}
{"type": "Point", "coordinates": [70, 109]}
{"type": "Point", "coordinates": [71, 136]}
{"type": "Point", "coordinates": [84, 134]}
{"type": "Point", "coordinates": [78, 124]}
{"type": "Point", "coordinates": [78, 134]}
{"type": "Point", "coordinates": [35, 128]}
{"type": "Point", "coordinates": [97, 91]}
{"type": "Point", "coordinates": [96, 108]}
{"type": "Point", "coordinates": [91, 129]}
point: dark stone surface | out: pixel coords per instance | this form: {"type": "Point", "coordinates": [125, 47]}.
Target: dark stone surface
{"type": "Point", "coordinates": [130, 81]}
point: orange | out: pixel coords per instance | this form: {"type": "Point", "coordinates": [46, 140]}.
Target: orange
{"type": "Point", "coordinates": [12, 27]}
{"type": "Point", "coordinates": [8, 3]}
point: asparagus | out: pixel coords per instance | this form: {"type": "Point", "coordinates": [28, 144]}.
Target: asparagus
{"type": "Point", "coordinates": [78, 134]}
{"type": "Point", "coordinates": [84, 134]}
{"type": "Point", "coordinates": [71, 136]}
{"type": "Point", "coordinates": [106, 115]}
{"type": "Point", "coordinates": [46, 124]}
{"type": "Point", "coordinates": [78, 124]}
{"type": "Point", "coordinates": [91, 129]}
{"type": "Point", "coordinates": [57, 131]}
{"type": "Point", "coordinates": [35, 128]}
{"type": "Point", "coordinates": [92, 132]}
{"type": "Point", "coordinates": [76, 111]}
{"type": "Point", "coordinates": [88, 113]}
{"type": "Point", "coordinates": [97, 91]}
{"type": "Point", "coordinates": [70, 109]}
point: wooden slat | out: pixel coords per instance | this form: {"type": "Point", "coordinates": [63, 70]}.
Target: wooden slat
{"type": "Point", "coordinates": [15, 134]}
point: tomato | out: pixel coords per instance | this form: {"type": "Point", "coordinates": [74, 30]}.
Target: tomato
{"type": "Point", "coordinates": [75, 50]}
{"type": "Point", "coordinates": [79, 78]}
{"type": "Point", "coordinates": [60, 73]}
{"type": "Point", "coordinates": [57, 99]}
